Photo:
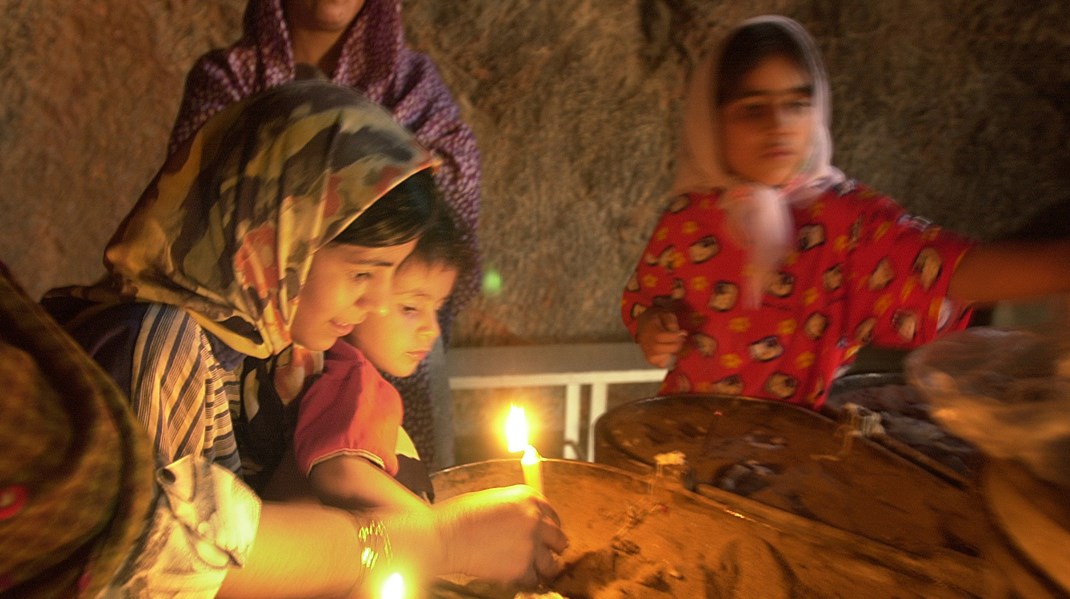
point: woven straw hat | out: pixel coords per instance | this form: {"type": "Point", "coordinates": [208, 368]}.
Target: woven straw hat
{"type": "Point", "coordinates": [75, 470]}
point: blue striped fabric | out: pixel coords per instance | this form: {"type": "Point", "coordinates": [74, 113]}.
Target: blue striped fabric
{"type": "Point", "coordinates": [180, 392]}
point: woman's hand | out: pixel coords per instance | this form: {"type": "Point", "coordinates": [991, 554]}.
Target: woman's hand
{"type": "Point", "coordinates": [659, 336]}
{"type": "Point", "coordinates": [509, 534]}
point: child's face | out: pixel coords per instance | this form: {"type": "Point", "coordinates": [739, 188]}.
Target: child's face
{"type": "Point", "coordinates": [768, 125]}
{"type": "Point", "coordinates": [398, 339]}
{"type": "Point", "coordinates": [344, 284]}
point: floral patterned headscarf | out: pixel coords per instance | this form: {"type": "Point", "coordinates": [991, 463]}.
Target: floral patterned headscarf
{"type": "Point", "coordinates": [228, 228]}
{"type": "Point", "coordinates": [759, 214]}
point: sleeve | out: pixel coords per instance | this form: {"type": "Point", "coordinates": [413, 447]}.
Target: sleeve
{"type": "Point", "coordinates": [652, 281]}
{"type": "Point", "coordinates": [348, 410]}
{"type": "Point", "coordinates": [173, 389]}
{"type": "Point", "coordinates": [210, 87]}
{"type": "Point", "coordinates": [204, 522]}
{"type": "Point", "coordinates": [412, 471]}
{"type": "Point", "coordinates": [901, 268]}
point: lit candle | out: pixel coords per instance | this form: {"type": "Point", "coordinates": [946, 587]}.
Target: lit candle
{"type": "Point", "coordinates": [516, 434]}
{"type": "Point", "coordinates": [394, 587]}
{"type": "Point", "coordinates": [532, 465]}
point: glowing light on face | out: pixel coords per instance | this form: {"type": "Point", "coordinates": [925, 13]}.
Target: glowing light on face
{"type": "Point", "coordinates": [344, 283]}
{"type": "Point", "coordinates": [398, 338]}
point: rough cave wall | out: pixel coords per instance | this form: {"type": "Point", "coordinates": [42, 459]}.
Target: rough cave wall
{"type": "Point", "coordinates": [959, 109]}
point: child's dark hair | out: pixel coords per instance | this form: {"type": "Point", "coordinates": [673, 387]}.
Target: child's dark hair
{"type": "Point", "coordinates": [444, 243]}
{"type": "Point", "coordinates": [747, 48]}
{"type": "Point", "coordinates": [401, 215]}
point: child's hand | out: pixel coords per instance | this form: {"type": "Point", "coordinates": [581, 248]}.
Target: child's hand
{"type": "Point", "coordinates": [509, 534]}
{"type": "Point", "coordinates": [659, 336]}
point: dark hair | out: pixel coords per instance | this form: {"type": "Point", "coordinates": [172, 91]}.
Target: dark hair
{"type": "Point", "coordinates": [748, 47]}
{"type": "Point", "coordinates": [445, 243]}
{"type": "Point", "coordinates": [401, 215]}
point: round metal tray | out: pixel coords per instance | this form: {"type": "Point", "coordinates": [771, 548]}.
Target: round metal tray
{"type": "Point", "coordinates": [635, 536]}
{"type": "Point", "coordinates": [749, 450]}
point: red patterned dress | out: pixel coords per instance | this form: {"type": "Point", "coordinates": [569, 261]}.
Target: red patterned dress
{"type": "Point", "coordinates": [862, 271]}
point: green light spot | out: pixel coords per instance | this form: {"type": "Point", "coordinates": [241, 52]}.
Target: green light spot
{"type": "Point", "coordinates": [492, 283]}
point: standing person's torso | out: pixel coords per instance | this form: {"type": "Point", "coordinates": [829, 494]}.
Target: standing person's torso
{"type": "Point", "coordinates": [861, 271]}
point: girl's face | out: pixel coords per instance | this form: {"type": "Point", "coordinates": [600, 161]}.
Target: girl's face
{"type": "Point", "coordinates": [344, 283]}
{"type": "Point", "coordinates": [397, 339]}
{"type": "Point", "coordinates": [768, 124]}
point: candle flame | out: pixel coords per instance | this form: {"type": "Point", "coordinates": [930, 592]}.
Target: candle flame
{"type": "Point", "coordinates": [531, 456]}
{"type": "Point", "coordinates": [394, 587]}
{"type": "Point", "coordinates": [516, 429]}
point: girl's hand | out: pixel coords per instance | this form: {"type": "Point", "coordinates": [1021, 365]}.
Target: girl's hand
{"type": "Point", "coordinates": [659, 336]}
{"type": "Point", "coordinates": [509, 534]}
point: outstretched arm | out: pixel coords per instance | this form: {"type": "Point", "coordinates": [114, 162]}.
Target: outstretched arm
{"type": "Point", "coordinates": [306, 550]}
{"type": "Point", "coordinates": [352, 482]}
{"type": "Point", "coordinates": [507, 534]}
{"type": "Point", "coordinates": [1012, 270]}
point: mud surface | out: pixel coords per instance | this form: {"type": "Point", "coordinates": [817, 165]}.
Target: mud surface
{"type": "Point", "coordinates": [632, 539]}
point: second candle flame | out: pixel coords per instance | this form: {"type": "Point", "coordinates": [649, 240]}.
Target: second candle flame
{"type": "Point", "coordinates": [516, 429]}
{"type": "Point", "coordinates": [516, 436]}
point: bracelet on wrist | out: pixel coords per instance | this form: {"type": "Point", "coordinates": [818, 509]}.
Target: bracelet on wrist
{"type": "Point", "coordinates": [373, 547]}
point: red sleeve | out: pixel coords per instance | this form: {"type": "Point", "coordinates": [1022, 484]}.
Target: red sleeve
{"type": "Point", "coordinates": [652, 282]}
{"type": "Point", "coordinates": [901, 269]}
{"type": "Point", "coordinates": [349, 409]}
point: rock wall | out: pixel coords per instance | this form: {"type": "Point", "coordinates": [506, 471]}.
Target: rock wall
{"type": "Point", "coordinates": [88, 93]}
{"type": "Point", "coordinates": [959, 109]}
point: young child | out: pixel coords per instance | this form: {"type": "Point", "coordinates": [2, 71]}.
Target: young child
{"type": "Point", "coordinates": [770, 268]}
{"type": "Point", "coordinates": [349, 433]}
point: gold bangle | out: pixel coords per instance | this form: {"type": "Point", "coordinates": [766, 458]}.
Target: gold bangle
{"type": "Point", "coordinates": [373, 546]}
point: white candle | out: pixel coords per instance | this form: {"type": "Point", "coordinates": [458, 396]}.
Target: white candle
{"type": "Point", "coordinates": [532, 465]}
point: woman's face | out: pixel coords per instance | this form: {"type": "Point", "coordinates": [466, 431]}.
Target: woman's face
{"type": "Point", "coordinates": [322, 15]}
{"type": "Point", "coordinates": [344, 283]}
{"type": "Point", "coordinates": [768, 124]}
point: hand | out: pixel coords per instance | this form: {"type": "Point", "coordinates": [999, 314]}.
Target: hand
{"type": "Point", "coordinates": [659, 336]}
{"type": "Point", "coordinates": [509, 534]}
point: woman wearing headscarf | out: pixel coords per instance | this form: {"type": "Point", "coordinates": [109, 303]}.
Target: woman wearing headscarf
{"type": "Point", "coordinates": [358, 44]}
{"type": "Point", "coordinates": [81, 514]}
{"type": "Point", "coordinates": [770, 269]}
{"type": "Point", "coordinates": [275, 229]}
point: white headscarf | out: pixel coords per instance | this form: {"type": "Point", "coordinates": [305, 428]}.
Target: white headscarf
{"type": "Point", "coordinates": [759, 215]}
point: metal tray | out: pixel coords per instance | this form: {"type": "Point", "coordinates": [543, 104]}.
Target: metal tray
{"type": "Point", "coordinates": [634, 536]}
{"type": "Point", "coordinates": [742, 450]}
